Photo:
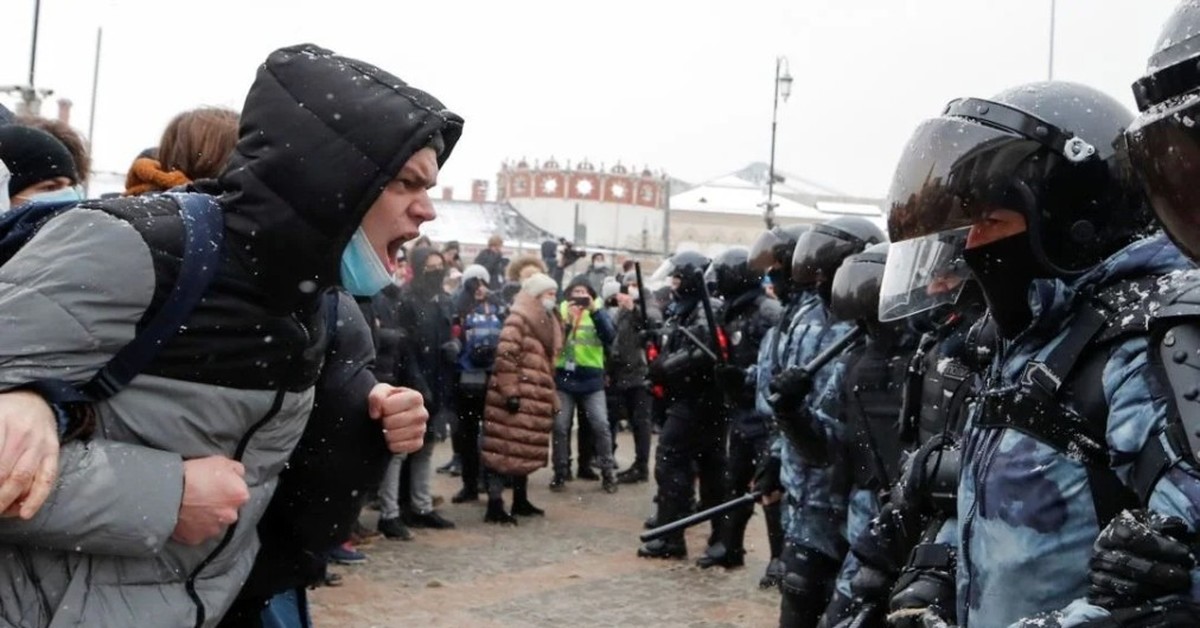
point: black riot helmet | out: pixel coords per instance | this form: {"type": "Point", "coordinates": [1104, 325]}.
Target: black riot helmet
{"type": "Point", "coordinates": [774, 247]}
{"type": "Point", "coordinates": [820, 251]}
{"type": "Point", "coordinates": [854, 294]}
{"type": "Point", "coordinates": [1053, 151]}
{"type": "Point", "coordinates": [1164, 141]}
{"type": "Point", "coordinates": [688, 267]}
{"type": "Point", "coordinates": [730, 272]}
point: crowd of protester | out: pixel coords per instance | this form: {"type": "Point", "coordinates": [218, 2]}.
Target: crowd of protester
{"type": "Point", "coordinates": [984, 417]}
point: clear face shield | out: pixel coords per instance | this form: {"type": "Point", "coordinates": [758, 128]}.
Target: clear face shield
{"type": "Point", "coordinates": [923, 273]}
{"type": "Point", "coordinates": [662, 274]}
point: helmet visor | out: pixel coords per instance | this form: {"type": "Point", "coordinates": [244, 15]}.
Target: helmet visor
{"type": "Point", "coordinates": [662, 273]}
{"type": "Point", "coordinates": [952, 172]}
{"type": "Point", "coordinates": [764, 250]}
{"type": "Point", "coordinates": [856, 288]}
{"type": "Point", "coordinates": [821, 251]}
{"type": "Point", "coordinates": [923, 273]}
{"type": "Point", "coordinates": [1164, 149]}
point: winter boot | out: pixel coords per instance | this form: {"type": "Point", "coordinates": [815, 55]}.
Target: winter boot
{"type": "Point", "coordinates": [521, 505]}
{"type": "Point", "coordinates": [664, 548]}
{"type": "Point", "coordinates": [717, 555]}
{"type": "Point", "coordinates": [496, 514]}
{"type": "Point", "coordinates": [610, 482]}
{"type": "Point", "coordinates": [633, 475]}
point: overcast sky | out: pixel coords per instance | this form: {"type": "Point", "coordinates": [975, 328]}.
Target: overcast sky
{"type": "Point", "coordinates": [684, 87]}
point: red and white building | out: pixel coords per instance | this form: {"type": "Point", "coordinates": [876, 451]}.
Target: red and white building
{"type": "Point", "coordinates": [615, 208]}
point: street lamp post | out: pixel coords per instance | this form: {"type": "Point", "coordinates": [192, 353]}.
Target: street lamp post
{"type": "Point", "coordinates": [783, 87]}
{"type": "Point", "coordinates": [1050, 64]}
{"type": "Point", "coordinates": [31, 96]}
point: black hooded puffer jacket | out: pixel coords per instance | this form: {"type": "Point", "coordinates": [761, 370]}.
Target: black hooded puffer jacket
{"type": "Point", "coordinates": [320, 137]}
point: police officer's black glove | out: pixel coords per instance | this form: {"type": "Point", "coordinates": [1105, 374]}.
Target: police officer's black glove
{"type": "Point", "coordinates": [730, 378]}
{"type": "Point", "coordinates": [888, 539]}
{"type": "Point", "coordinates": [868, 602]}
{"type": "Point", "coordinates": [923, 597]}
{"type": "Point", "coordinates": [789, 389]}
{"type": "Point", "coordinates": [766, 475]}
{"type": "Point", "coordinates": [1139, 557]}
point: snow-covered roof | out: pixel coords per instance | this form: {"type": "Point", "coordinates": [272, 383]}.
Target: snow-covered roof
{"type": "Point", "coordinates": [745, 193]}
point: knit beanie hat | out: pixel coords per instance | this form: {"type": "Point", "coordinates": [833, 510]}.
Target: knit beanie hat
{"type": "Point", "coordinates": [537, 284]}
{"type": "Point", "coordinates": [475, 271]}
{"type": "Point", "coordinates": [581, 280]}
{"type": "Point", "coordinates": [610, 288]}
{"type": "Point", "coordinates": [32, 156]}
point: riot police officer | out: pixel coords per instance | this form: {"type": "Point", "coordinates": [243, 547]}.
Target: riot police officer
{"type": "Point", "coordinates": [692, 440]}
{"type": "Point", "coordinates": [1037, 177]}
{"type": "Point", "coordinates": [749, 313]}
{"type": "Point", "coordinates": [1141, 563]}
{"type": "Point", "coordinates": [771, 257]}
{"type": "Point", "coordinates": [815, 510]}
{"type": "Point", "coordinates": [908, 551]}
{"type": "Point", "coordinates": [869, 402]}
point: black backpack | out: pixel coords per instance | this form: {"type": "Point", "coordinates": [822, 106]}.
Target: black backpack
{"type": "Point", "coordinates": [204, 232]}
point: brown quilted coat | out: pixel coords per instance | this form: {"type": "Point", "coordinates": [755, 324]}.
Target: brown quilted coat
{"type": "Point", "coordinates": [518, 443]}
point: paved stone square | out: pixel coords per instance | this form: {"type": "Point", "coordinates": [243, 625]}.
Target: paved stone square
{"type": "Point", "coordinates": [575, 567]}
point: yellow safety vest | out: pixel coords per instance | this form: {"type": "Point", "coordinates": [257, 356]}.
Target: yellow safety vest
{"type": "Point", "coordinates": [583, 346]}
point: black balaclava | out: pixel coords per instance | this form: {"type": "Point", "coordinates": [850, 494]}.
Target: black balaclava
{"type": "Point", "coordinates": [423, 281]}
{"type": "Point", "coordinates": [1005, 269]}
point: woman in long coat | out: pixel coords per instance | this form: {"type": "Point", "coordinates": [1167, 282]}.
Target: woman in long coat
{"type": "Point", "coordinates": [521, 397]}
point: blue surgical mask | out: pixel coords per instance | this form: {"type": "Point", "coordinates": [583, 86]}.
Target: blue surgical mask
{"type": "Point", "coordinates": [363, 273]}
{"type": "Point", "coordinates": [62, 195]}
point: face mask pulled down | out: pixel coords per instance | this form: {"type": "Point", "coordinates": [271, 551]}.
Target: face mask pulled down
{"type": "Point", "coordinates": [363, 273]}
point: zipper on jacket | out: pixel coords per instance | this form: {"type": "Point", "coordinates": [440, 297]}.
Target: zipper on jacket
{"type": "Point", "coordinates": [238, 453]}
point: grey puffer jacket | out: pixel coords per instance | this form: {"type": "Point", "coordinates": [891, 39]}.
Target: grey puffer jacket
{"type": "Point", "coordinates": [237, 380]}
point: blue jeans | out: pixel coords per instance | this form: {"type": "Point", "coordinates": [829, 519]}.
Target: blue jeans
{"type": "Point", "coordinates": [595, 412]}
{"type": "Point", "coordinates": [287, 610]}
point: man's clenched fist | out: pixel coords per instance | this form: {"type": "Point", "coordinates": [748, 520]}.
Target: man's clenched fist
{"type": "Point", "coordinates": [402, 413]}
{"type": "Point", "coordinates": [214, 488]}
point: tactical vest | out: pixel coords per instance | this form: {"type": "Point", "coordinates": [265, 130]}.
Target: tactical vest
{"type": "Point", "coordinates": [874, 387]}
{"type": "Point", "coordinates": [941, 380]}
{"type": "Point", "coordinates": [745, 326]}
{"type": "Point", "coordinates": [582, 346]}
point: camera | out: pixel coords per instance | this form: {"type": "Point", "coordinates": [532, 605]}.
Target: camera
{"type": "Point", "coordinates": [569, 253]}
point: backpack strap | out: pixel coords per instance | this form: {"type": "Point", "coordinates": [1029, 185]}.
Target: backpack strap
{"type": "Point", "coordinates": [203, 227]}
{"type": "Point", "coordinates": [331, 318]}
{"type": "Point", "coordinates": [1040, 413]}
